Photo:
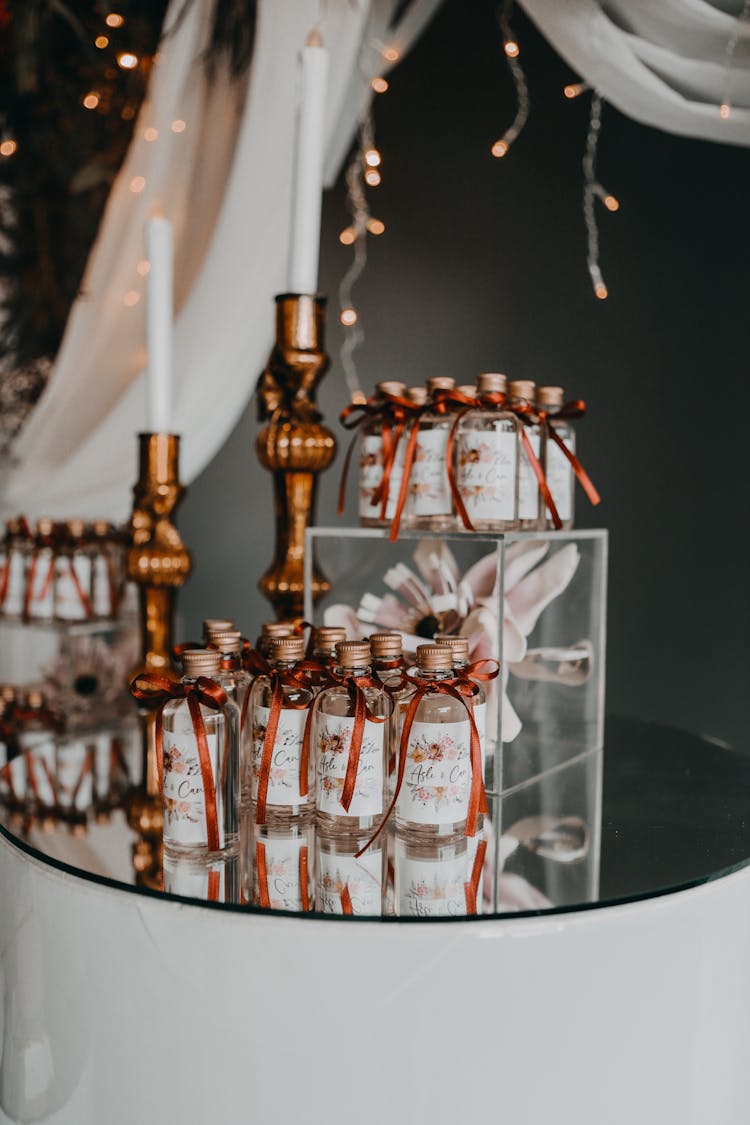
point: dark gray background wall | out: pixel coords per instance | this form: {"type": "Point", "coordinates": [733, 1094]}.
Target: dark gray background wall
{"type": "Point", "coordinates": [483, 267]}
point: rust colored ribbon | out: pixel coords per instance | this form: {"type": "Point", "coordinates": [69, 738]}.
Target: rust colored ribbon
{"type": "Point", "coordinates": [304, 878]}
{"type": "Point", "coordinates": [346, 900]}
{"type": "Point", "coordinates": [158, 689]}
{"type": "Point", "coordinates": [355, 686]}
{"type": "Point", "coordinates": [214, 884]}
{"type": "Point", "coordinates": [527, 416]}
{"type": "Point", "coordinates": [7, 773]}
{"type": "Point", "coordinates": [5, 577]}
{"type": "Point", "coordinates": [262, 873]}
{"type": "Point", "coordinates": [279, 680]}
{"type": "Point", "coordinates": [458, 689]}
{"type": "Point", "coordinates": [471, 886]}
{"type": "Point", "coordinates": [576, 408]}
{"type": "Point", "coordinates": [461, 405]}
{"type": "Point", "coordinates": [82, 595]}
{"type": "Point", "coordinates": [86, 768]}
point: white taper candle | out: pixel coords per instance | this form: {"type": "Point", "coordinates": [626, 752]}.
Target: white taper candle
{"type": "Point", "coordinates": [159, 315]}
{"type": "Point", "coordinates": [308, 168]}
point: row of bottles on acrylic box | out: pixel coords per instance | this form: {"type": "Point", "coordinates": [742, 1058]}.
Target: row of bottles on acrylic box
{"type": "Point", "coordinates": [50, 773]}
{"type": "Point", "coordinates": [482, 459]}
{"type": "Point", "coordinates": [62, 571]}
{"type": "Point", "coordinates": [339, 737]}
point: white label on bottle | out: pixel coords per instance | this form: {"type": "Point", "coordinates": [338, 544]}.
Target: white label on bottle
{"type": "Point", "coordinates": [361, 876]}
{"type": "Point", "coordinates": [71, 596]}
{"type": "Point", "coordinates": [528, 486]}
{"type": "Point", "coordinates": [283, 867]}
{"type": "Point", "coordinates": [42, 593]}
{"type": "Point", "coordinates": [437, 774]}
{"type": "Point", "coordinates": [16, 587]}
{"type": "Point", "coordinates": [183, 795]}
{"type": "Point", "coordinates": [430, 888]}
{"type": "Point", "coordinates": [75, 775]}
{"type": "Point", "coordinates": [429, 491]}
{"type": "Point", "coordinates": [102, 590]}
{"type": "Point", "coordinates": [486, 473]}
{"type": "Point", "coordinates": [371, 474]}
{"type": "Point", "coordinates": [39, 751]}
{"type": "Point", "coordinates": [283, 780]}
{"type": "Point", "coordinates": [560, 477]}
{"type": "Point", "coordinates": [333, 739]}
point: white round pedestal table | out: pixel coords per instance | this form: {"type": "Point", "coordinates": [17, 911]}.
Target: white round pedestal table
{"type": "Point", "coordinates": [124, 1006]}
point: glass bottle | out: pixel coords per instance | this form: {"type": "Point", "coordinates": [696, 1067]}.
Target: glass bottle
{"type": "Point", "coordinates": [459, 647]}
{"type": "Point", "coordinates": [347, 884]}
{"type": "Point", "coordinates": [282, 862]}
{"type": "Point", "coordinates": [557, 467]}
{"type": "Point", "coordinates": [371, 467]}
{"type": "Point", "coordinates": [430, 501]}
{"type": "Point", "coordinates": [18, 546]}
{"type": "Point", "coordinates": [323, 651]}
{"type": "Point", "coordinates": [75, 765]}
{"type": "Point", "coordinates": [388, 667]}
{"type": "Point", "coordinates": [37, 731]}
{"type": "Point", "coordinates": [530, 502]}
{"type": "Point", "coordinates": [332, 731]}
{"type": "Point", "coordinates": [106, 581]}
{"type": "Point", "coordinates": [430, 877]}
{"type": "Point", "coordinates": [73, 574]}
{"type": "Point", "coordinates": [487, 461]}
{"type": "Point", "coordinates": [237, 684]}
{"type": "Point", "coordinates": [7, 740]}
{"type": "Point", "coordinates": [215, 881]}
{"type": "Point", "coordinates": [283, 799]}
{"type": "Point", "coordinates": [40, 577]}
{"type": "Point", "coordinates": [434, 796]}
{"type": "Point", "coordinates": [183, 795]}
{"type": "Point", "coordinates": [272, 631]}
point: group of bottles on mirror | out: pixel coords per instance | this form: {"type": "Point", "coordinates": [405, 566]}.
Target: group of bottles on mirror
{"type": "Point", "coordinates": [473, 434]}
{"type": "Point", "coordinates": [305, 765]}
{"type": "Point", "coordinates": [61, 571]}
{"type": "Point", "coordinates": [49, 775]}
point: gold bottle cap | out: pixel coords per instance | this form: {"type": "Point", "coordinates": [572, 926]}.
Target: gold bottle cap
{"type": "Point", "coordinates": [12, 527]}
{"type": "Point", "coordinates": [390, 387]}
{"type": "Point", "coordinates": [434, 658]}
{"type": "Point", "coordinates": [222, 624]}
{"type": "Point", "coordinates": [45, 526]}
{"type": "Point", "coordinates": [76, 528]}
{"type": "Point", "coordinates": [35, 699]}
{"type": "Point", "coordinates": [522, 388]}
{"type": "Point", "coordinates": [227, 641]}
{"type": "Point", "coordinates": [459, 646]}
{"type": "Point", "coordinates": [327, 636]}
{"type": "Point", "coordinates": [353, 654]}
{"type": "Point", "coordinates": [101, 528]}
{"type": "Point", "coordinates": [440, 383]}
{"type": "Point", "coordinates": [277, 629]}
{"type": "Point", "coordinates": [385, 644]}
{"type": "Point", "coordinates": [492, 382]}
{"type": "Point", "coordinates": [417, 395]}
{"type": "Point", "coordinates": [200, 662]}
{"type": "Point", "coordinates": [468, 389]}
{"type": "Point", "coordinates": [287, 648]}
{"type": "Point", "coordinates": [549, 396]}
{"type": "Point", "coordinates": [8, 693]}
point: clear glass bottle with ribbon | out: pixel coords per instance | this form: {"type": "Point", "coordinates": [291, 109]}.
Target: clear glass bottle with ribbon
{"type": "Point", "coordinates": [197, 733]}
{"type": "Point", "coordinates": [557, 467]}
{"type": "Point", "coordinates": [459, 648]}
{"type": "Point", "coordinates": [73, 573]}
{"type": "Point", "coordinates": [430, 502]}
{"type": "Point", "coordinates": [107, 580]}
{"type": "Point", "coordinates": [351, 743]}
{"type": "Point", "coordinates": [389, 667]}
{"type": "Point", "coordinates": [237, 684]}
{"type": "Point", "coordinates": [38, 728]}
{"type": "Point", "coordinates": [39, 604]}
{"type": "Point", "coordinates": [486, 458]}
{"type": "Point", "coordinates": [282, 782]}
{"type": "Point", "coordinates": [439, 786]}
{"type": "Point", "coordinates": [18, 547]}
{"type": "Point", "coordinates": [282, 866]}
{"type": "Point", "coordinates": [522, 400]}
{"type": "Point", "coordinates": [381, 456]}
{"type": "Point", "coordinates": [432, 878]}
{"type": "Point", "coordinates": [350, 877]}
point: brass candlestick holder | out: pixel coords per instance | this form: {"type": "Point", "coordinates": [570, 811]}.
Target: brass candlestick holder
{"type": "Point", "coordinates": [295, 446]}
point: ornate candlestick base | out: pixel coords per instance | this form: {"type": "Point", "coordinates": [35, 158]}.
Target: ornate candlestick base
{"type": "Point", "coordinates": [295, 446]}
{"type": "Point", "coordinates": [157, 559]}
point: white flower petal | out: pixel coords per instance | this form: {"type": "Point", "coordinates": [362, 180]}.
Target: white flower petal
{"type": "Point", "coordinates": [521, 557]}
{"type": "Point", "coordinates": [535, 592]}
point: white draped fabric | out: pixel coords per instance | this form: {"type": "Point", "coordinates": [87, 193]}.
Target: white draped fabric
{"type": "Point", "coordinates": [666, 63]}
{"type": "Point", "coordinates": [224, 179]}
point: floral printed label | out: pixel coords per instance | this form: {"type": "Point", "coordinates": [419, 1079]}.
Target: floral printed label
{"type": "Point", "coordinates": [71, 596]}
{"type": "Point", "coordinates": [101, 587]}
{"type": "Point", "coordinates": [361, 876]}
{"type": "Point", "coordinates": [42, 594]}
{"type": "Point", "coordinates": [333, 737]}
{"type": "Point", "coordinates": [560, 477]}
{"type": "Point", "coordinates": [371, 474]}
{"type": "Point", "coordinates": [183, 795]}
{"type": "Point", "coordinates": [486, 474]}
{"type": "Point", "coordinates": [430, 888]}
{"type": "Point", "coordinates": [429, 491]}
{"type": "Point", "coordinates": [437, 774]}
{"type": "Point", "coordinates": [283, 781]}
{"type": "Point", "coordinates": [75, 775]}
{"type": "Point", "coordinates": [528, 486]}
{"type": "Point", "coordinates": [16, 588]}
{"type": "Point", "coordinates": [283, 868]}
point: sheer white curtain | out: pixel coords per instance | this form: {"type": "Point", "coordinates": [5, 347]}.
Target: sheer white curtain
{"type": "Point", "coordinates": [224, 180]}
{"type": "Point", "coordinates": [666, 63]}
